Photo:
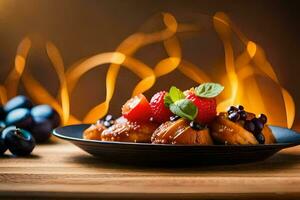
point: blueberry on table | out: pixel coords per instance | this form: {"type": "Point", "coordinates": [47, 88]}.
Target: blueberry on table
{"type": "Point", "coordinates": [41, 131]}
{"type": "Point", "coordinates": [3, 146]}
{"type": "Point", "coordinates": [19, 142]}
{"type": "Point", "coordinates": [17, 102]}
{"type": "Point", "coordinates": [44, 112]}
{"type": "Point", "coordinates": [2, 113]}
{"type": "Point", "coordinates": [20, 118]}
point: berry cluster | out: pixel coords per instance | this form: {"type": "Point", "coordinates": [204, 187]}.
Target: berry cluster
{"type": "Point", "coordinates": [107, 121]}
{"type": "Point", "coordinates": [253, 125]}
{"type": "Point", "coordinates": [22, 124]}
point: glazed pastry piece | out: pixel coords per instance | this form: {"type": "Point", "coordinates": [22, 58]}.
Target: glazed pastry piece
{"type": "Point", "coordinates": [126, 131]}
{"type": "Point", "coordinates": [94, 132]}
{"type": "Point", "coordinates": [226, 131]}
{"type": "Point", "coordinates": [180, 132]}
{"type": "Point", "coordinates": [269, 137]}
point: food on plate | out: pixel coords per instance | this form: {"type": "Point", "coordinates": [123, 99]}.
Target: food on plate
{"type": "Point", "coordinates": [240, 127]}
{"type": "Point", "coordinates": [181, 132]}
{"type": "Point", "coordinates": [177, 117]}
{"type": "Point", "coordinates": [127, 131]}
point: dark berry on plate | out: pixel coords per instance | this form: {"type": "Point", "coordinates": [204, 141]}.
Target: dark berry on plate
{"type": "Point", "coordinates": [249, 126]}
{"type": "Point", "coordinates": [17, 102]}
{"type": "Point", "coordinates": [45, 112]}
{"type": "Point", "coordinates": [258, 126]}
{"type": "Point", "coordinates": [106, 124]}
{"type": "Point", "coordinates": [19, 142]}
{"type": "Point", "coordinates": [174, 118]}
{"type": "Point", "coordinates": [232, 109]}
{"type": "Point", "coordinates": [20, 118]}
{"type": "Point", "coordinates": [2, 113]}
{"type": "Point", "coordinates": [241, 107]}
{"type": "Point", "coordinates": [235, 116]}
{"type": "Point", "coordinates": [109, 117]}
{"type": "Point", "coordinates": [263, 118]}
{"type": "Point", "coordinates": [260, 138]}
{"type": "Point", "coordinates": [107, 121]}
{"type": "Point", "coordinates": [3, 146]}
{"type": "Point", "coordinates": [196, 126]}
{"type": "Point", "coordinates": [243, 115]}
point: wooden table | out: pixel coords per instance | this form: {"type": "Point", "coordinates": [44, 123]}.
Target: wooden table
{"type": "Point", "coordinates": [62, 170]}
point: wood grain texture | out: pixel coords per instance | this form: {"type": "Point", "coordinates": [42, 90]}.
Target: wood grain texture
{"type": "Point", "coordinates": [64, 171]}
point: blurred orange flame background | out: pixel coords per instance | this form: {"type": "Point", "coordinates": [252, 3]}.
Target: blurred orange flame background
{"type": "Point", "coordinates": [249, 76]}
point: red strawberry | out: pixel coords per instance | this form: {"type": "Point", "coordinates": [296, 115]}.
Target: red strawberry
{"type": "Point", "coordinates": [137, 109]}
{"type": "Point", "coordinates": [159, 111]}
{"type": "Point", "coordinates": [207, 107]}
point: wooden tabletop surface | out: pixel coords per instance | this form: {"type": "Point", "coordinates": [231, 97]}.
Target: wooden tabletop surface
{"type": "Point", "coordinates": [62, 170]}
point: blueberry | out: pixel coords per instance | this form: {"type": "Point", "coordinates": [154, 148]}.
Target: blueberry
{"type": "Point", "coordinates": [18, 141]}
{"type": "Point", "coordinates": [109, 118]}
{"type": "Point", "coordinates": [249, 126]}
{"type": "Point", "coordinates": [234, 116]}
{"type": "Point", "coordinates": [174, 118]}
{"type": "Point", "coordinates": [20, 118]}
{"type": "Point", "coordinates": [2, 113]}
{"type": "Point", "coordinates": [3, 146]}
{"type": "Point", "coordinates": [106, 124]}
{"type": "Point", "coordinates": [42, 113]}
{"type": "Point", "coordinates": [196, 126]}
{"type": "Point", "coordinates": [232, 109]}
{"type": "Point", "coordinates": [41, 131]}
{"type": "Point", "coordinates": [258, 126]}
{"type": "Point", "coordinates": [243, 115]}
{"type": "Point", "coordinates": [240, 107]}
{"type": "Point", "coordinates": [17, 102]}
{"type": "Point", "coordinates": [260, 138]}
{"type": "Point", "coordinates": [263, 118]}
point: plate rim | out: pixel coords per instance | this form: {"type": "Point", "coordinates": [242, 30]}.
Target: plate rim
{"type": "Point", "coordinates": [68, 138]}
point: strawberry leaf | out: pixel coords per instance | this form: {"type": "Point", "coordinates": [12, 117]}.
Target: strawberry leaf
{"type": "Point", "coordinates": [209, 90]}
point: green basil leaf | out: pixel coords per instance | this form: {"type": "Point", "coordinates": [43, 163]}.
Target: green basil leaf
{"type": "Point", "coordinates": [167, 100]}
{"type": "Point", "coordinates": [185, 109]}
{"type": "Point", "coordinates": [176, 94]}
{"type": "Point", "coordinates": [209, 90]}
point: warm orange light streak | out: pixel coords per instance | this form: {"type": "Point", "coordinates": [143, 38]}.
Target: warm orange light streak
{"type": "Point", "coordinates": [13, 79]}
{"type": "Point", "coordinates": [139, 68]}
{"type": "Point", "coordinates": [58, 65]}
{"type": "Point", "coordinates": [221, 25]}
{"type": "Point", "coordinates": [242, 78]}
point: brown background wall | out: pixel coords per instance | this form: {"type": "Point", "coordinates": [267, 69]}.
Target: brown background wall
{"type": "Point", "coordinates": [84, 27]}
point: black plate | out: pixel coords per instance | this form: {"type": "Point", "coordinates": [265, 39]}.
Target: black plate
{"type": "Point", "coordinates": [146, 154]}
